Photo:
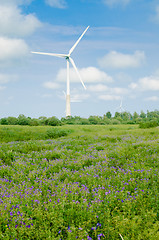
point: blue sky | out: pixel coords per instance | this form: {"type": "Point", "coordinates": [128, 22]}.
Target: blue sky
{"type": "Point", "coordinates": [118, 57]}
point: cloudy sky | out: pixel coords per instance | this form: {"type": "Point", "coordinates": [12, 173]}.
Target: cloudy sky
{"type": "Point", "coordinates": [118, 57]}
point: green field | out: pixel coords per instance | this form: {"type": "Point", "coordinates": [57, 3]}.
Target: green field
{"type": "Point", "coordinates": [79, 182]}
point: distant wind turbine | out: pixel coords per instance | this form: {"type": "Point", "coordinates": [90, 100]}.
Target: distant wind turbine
{"type": "Point", "coordinates": [120, 108]}
{"type": "Point", "coordinates": [68, 59]}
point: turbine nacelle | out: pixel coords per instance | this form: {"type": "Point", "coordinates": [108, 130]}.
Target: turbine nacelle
{"type": "Point", "coordinates": [67, 57]}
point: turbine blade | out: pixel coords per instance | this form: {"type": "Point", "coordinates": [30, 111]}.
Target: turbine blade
{"type": "Point", "coordinates": [64, 93]}
{"type": "Point", "coordinates": [73, 64]}
{"type": "Point", "coordinates": [52, 54]}
{"type": "Point", "coordinates": [71, 50]}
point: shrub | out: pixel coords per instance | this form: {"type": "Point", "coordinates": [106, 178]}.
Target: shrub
{"type": "Point", "coordinates": [93, 120]}
{"type": "Point", "coordinates": [84, 121]}
{"type": "Point", "coordinates": [56, 132]}
{"type": "Point", "coordinates": [115, 121]}
{"type": "Point", "coordinates": [23, 120]}
{"type": "Point", "coordinates": [107, 121]}
{"type": "Point", "coordinates": [53, 121]}
{"type": "Point", "coordinates": [4, 121]}
{"type": "Point", "coordinates": [43, 120]}
{"type": "Point", "coordinates": [150, 124]}
{"type": "Point", "coordinates": [34, 122]}
{"type": "Point", "coordinates": [12, 121]}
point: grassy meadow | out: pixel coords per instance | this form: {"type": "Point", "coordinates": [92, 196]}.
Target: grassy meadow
{"type": "Point", "coordinates": [79, 182]}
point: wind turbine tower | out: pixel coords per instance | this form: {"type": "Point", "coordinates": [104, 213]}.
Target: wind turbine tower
{"type": "Point", "coordinates": [69, 60]}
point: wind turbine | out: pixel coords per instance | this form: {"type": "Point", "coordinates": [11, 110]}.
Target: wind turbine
{"type": "Point", "coordinates": [121, 109]}
{"type": "Point", "coordinates": [121, 106]}
{"type": "Point", "coordinates": [68, 59]}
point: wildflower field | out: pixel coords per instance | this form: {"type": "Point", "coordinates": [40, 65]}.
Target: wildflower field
{"type": "Point", "coordinates": [79, 182]}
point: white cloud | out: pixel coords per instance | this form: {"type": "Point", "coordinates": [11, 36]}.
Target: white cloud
{"type": "Point", "coordinates": [104, 88]}
{"type": "Point", "coordinates": [2, 88]}
{"type": "Point", "coordinates": [108, 97]}
{"type": "Point", "coordinates": [9, 100]}
{"type": "Point", "coordinates": [133, 85]}
{"type": "Point", "coordinates": [156, 17]}
{"type": "Point", "coordinates": [88, 75]}
{"type": "Point", "coordinates": [79, 97]}
{"type": "Point", "coordinates": [64, 30]}
{"type": "Point", "coordinates": [153, 98]}
{"type": "Point", "coordinates": [123, 77]}
{"type": "Point", "coordinates": [156, 73]}
{"type": "Point", "coordinates": [112, 3]}
{"type": "Point", "coordinates": [12, 49]}
{"type": "Point", "coordinates": [13, 26]}
{"type": "Point", "coordinates": [51, 85]}
{"type": "Point", "coordinates": [120, 91]}
{"type": "Point", "coordinates": [75, 96]}
{"type": "Point", "coordinates": [5, 78]}
{"type": "Point", "coordinates": [97, 88]}
{"type": "Point", "coordinates": [14, 23]}
{"type": "Point", "coordinates": [56, 3]}
{"type": "Point", "coordinates": [150, 83]}
{"type": "Point", "coordinates": [119, 60]}
{"type": "Point", "coordinates": [15, 2]}
{"type": "Point", "coordinates": [46, 95]}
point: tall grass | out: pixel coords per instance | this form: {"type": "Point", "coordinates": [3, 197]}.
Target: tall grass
{"type": "Point", "coordinates": [25, 133]}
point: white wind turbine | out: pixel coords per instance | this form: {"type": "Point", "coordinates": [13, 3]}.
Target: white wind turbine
{"type": "Point", "coordinates": [121, 109]}
{"type": "Point", "coordinates": [68, 59]}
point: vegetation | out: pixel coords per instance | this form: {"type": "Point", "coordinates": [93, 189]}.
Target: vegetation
{"type": "Point", "coordinates": [90, 182]}
{"type": "Point", "coordinates": [25, 133]}
{"type": "Point", "coordinates": [107, 119]}
{"type": "Point", "coordinates": [149, 124]}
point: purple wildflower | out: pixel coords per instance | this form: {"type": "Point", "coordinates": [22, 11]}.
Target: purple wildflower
{"type": "Point", "coordinates": [100, 235]}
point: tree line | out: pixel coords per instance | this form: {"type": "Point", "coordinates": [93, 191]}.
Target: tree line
{"type": "Point", "coordinates": [148, 119]}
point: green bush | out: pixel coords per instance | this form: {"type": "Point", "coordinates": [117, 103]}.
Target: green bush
{"type": "Point", "coordinates": [84, 121]}
{"type": "Point", "coordinates": [107, 121]}
{"type": "Point", "coordinates": [115, 122]}
{"type": "Point", "coordinates": [150, 124]}
{"type": "Point", "coordinates": [23, 120]}
{"type": "Point", "coordinates": [57, 132]}
{"type": "Point", "coordinates": [34, 122]}
{"type": "Point", "coordinates": [53, 121]}
{"type": "Point", "coordinates": [93, 120]}
{"type": "Point", "coordinates": [12, 121]}
{"type": "Point", "coordinates": [4, 121]}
